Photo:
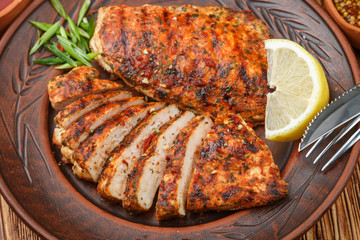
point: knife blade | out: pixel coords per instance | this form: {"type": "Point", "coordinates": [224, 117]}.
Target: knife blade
{"type": "Point", "coordinates": [335, 114]}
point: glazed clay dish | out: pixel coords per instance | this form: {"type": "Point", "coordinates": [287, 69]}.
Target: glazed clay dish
{"type": "Point", "coordinates": [9, 9]}
{"type": "Point", "coordinates": [352, 32]}
{"type": "Point", "coordinates": [57, 205]}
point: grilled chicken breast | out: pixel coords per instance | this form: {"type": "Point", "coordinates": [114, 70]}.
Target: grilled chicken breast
{"type": "Point", "coordinates": [77, 83]}
{"type": "Point", "coordinates": [211, 59]}
{"type": "Point", "coordinates": [179, 168]}
{"type": "Point", "coordinates": [75, 110]}
{"type": "Point", "coordinates": [92, 153]}
{"type": "Point", "coordinates": [87, 123]}
{"type": "Point", "coordinates": [113, 179]}
{"type": "Point", "coordinates": [235, 169]}
{"type": "Point", "coordinates": [146, 176]}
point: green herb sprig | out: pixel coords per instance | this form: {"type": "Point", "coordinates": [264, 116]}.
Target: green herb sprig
{"type": "Point", "coordinates": [72, 47]}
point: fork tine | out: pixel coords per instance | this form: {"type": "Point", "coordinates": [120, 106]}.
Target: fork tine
{"type": "Point", "coordinates": [343, 132]}
{"type": "Point", "coordinates": [352, 140]}
{"type": "Point", "coordinates": [317, 144]}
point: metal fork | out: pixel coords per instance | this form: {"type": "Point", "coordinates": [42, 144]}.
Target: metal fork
{"type": "Point", "coordinates": [348, 144]}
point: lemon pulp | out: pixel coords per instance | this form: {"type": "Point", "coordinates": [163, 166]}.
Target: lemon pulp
{"type": "Point", "coordinates": [300, 90]}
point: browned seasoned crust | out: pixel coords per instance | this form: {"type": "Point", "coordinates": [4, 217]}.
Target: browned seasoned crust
{"type": "Point", "coordinates": [71, 136]}
{"type": "Point", "coordinates": [136, 139]}
{"type": "Point", "coordinates": [77, 83]}
{"type": "Point", "coordinates": [235, 170]}
{"type": "Point", "coordinates": [109, 168]}
{"type": "Point", "coordinates": [130, 202]}
{"type": "Point", "coordinates": [66, 116]}
{"type": "Point", "coordinates": [152, 164]}
{"type": "Point", "coordinates": [211, 59]}
{"type": "Point", "coordinates": [88, 162]}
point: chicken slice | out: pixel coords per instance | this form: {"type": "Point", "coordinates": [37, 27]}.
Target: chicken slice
{"type": "Point", "coordinates": [79, 82]}
{"type": "Point", "coordinates": [146, 176]}
{"type": "Point", "coordinates": [235, 169]}
{"type": "Point", "coordinates": [180, 166]}
{"type": "Point", "coordinates": [78, 108]}
{"type": "Point", "coordinates": [56, 139]}
{"type": "Point", "coordinates": [86, 124]}
{"type": "Point", "coordinates": [113, 180]}
{"type": "Point", "coordinates": [92, 153]}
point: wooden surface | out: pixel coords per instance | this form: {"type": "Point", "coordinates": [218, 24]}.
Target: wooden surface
{"type": "Point", "coordinates": [341, 221]}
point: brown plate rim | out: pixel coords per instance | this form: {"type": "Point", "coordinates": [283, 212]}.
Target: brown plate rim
{"type": "Point", "coordinates": [311, 220]}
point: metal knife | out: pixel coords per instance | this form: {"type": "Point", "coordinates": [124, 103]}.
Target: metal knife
{"type": "Point", "coordinates": [338, 112]}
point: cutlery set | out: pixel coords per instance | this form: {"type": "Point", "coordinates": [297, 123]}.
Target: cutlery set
{"type": "Point", "coordinates": [344, 110]}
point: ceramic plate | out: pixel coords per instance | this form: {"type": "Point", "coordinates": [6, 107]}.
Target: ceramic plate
{"type": "Point", "coordinates": [58, 205]}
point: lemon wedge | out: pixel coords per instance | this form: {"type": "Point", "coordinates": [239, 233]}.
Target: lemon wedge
{"type": "Point", "coordinates": [300, 90]}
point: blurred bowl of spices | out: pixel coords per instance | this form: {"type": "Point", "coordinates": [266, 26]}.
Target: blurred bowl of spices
{"type": "Point", "coordinates": [346, 14]}
{"type": "Point", "coordinates": [9, 9]}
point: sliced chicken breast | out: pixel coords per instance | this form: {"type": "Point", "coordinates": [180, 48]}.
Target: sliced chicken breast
{"type": "Point", "coordinates": [92, 153]}
{"type": "Point", "coordinates": [84, 105]}
{"type": "Point", "coordinates": [146, 176]}
{"type": "Point", "coordinates": [77, 83]}
{"type": "Point", "coordinates": [180, 166]}
{"type": "Point", "coordinates": [113, 179]}
{"type": "Point", "coordinates": [86, 124]}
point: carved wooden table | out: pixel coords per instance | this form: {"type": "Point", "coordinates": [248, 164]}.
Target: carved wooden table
{"type": "Point", "coordinates": [341, 221]}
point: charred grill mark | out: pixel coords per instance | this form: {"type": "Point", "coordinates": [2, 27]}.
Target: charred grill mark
{"type": "Point", "coordinates": [89, 86]}
{"type": "Point", "coordinates": [179, 149]}
{"type": "Point", "coordinates": [170, 35]}
{"type": "Point", "coordinates": [80, 106]}
{"type": "Point", "coordinates": [89, 150]}
{"type": "Point", "coordinates": [217, 51]}
{"type": "Point", "coordinates": [203, 94]}
{"type": "Point", "coordinates": [244, 77]}
{"type": "Point", "coordinates": [197, 194]}
{"type": "Point", "coordinates": [231, 191]}
{"type": "Point", "coordinates": [146, 36]}
{"type": "Point", "coordinates": [119, 44]}
{"type": "Point", "coordinates": [143, 29]}
{"type": "Point", "coordinates": [86, 156]}
{"type": "Point", "coordinates": [217, 145]}
{"type": "Point", "coordinates": [252, 148]}
{"type": "Point", "coordinates": [246, 167]}
{"type": "Point", "coordinates": [124, 40]}
{"type": "Point", "coordinates": [161, 94]}
{"type": "Point", "coordinates": [99, 130]}
{"type": "Point", "coordinates": [187, 19]}
{"type": "Point", "coordinates": [204, 154]}
{"type": "Point", "coordinates": [77, 133]}
{"type": "Point", "coordinates": [165, 16]}
{"type": "Point", "coordinates": [143, 11]}
{"type": "Point", "coordinates": [214, 38]}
